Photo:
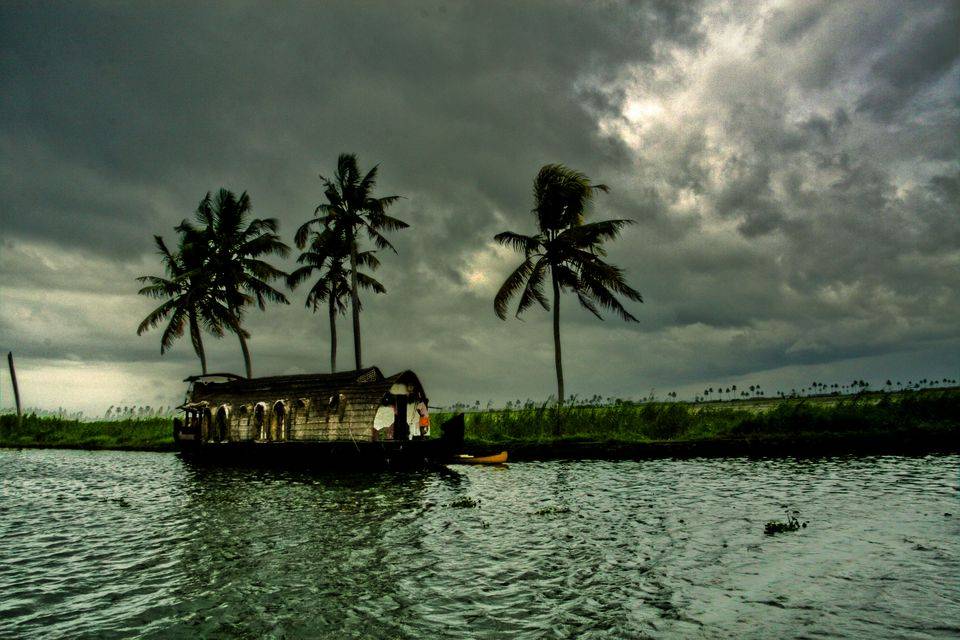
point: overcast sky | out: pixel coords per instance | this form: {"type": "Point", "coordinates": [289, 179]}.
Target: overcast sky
{"type": "Point", "coordinates": [792, 167]}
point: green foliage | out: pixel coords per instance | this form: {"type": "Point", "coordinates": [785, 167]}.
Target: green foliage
{"type": "Point", "coordinates": [146, 433]}
{"type": "Point", "coordinates": [618, 423]}
{"type": "Point", "coordinates": [230, 247]}
{"type": "Point", "coordinates": [565, 246]}
{"type": "Point", "coordinates": [909, 411]}
{"type": "Point", "coordinates": [216, 271]}
{"type": "Point", "coordinates": [931, 411]}
{"type": "Point", "coordinates": [188, 299]}
{"type": "Point", "coordinates": [351, 207]}
{"type": "Point", "coordinates": [350, 210]}
{"type": "Point", "coordinates": [673, 421]}
{"type": "Point", "coordinates": [570, 251]}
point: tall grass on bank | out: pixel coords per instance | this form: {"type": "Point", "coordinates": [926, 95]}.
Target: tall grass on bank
{"type": "Point", "coordinates": [927, 412]}
{"type": "Point", "coordinates": [146, 433]}
{"type": "Point", "coordinates": [664, 421]}
{"type": "Point", "coordinates": [912, 411]}
{"type": "Point", "coordinates": [619, 423]}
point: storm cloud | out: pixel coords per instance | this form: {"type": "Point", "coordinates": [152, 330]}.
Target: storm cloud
{"type": "Point", "coordinates": [793, 171]}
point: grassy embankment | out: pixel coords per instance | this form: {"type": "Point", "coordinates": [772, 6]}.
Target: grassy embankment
{"type": "Point", "coordinates": [140, 434]}
{"type": "Point", "coordinates": [909, 421]}
{"type": "Point", "coordinates": [926, 420]}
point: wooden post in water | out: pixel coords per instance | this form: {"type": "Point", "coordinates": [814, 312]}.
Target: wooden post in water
{"type": "Point", "coordinates": [16, 389]}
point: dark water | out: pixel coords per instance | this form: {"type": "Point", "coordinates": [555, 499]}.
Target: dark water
{"type": "Point", "coordinates": [111, 544]}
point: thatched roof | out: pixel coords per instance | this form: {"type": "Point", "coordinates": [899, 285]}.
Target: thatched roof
{"type": "Point", "coordinates": [363, 388]}
{"type": "Point", "coordinates": [296, 386]}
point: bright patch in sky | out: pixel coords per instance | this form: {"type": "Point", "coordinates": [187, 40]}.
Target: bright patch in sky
{"type": "Point", "coordinates": [476, 278]}
{"type": "Point", "coordinates": [642, 111]}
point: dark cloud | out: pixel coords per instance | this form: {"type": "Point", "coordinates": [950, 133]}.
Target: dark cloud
{"type": "Point", "coordinates": [793, 175]}
{"type": "Point", "coordinates": [116, 100]}
{"type": "Point", "coordinates": [920, 54]}
{"type": "Point", "coordinates": [789, 24]}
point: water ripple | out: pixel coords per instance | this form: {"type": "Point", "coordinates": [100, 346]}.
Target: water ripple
{"type": "Point", "coordinates": [119, 544]}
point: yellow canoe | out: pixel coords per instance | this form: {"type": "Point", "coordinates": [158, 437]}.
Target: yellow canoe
{"type": "Point", "coordinates": [499, 458]}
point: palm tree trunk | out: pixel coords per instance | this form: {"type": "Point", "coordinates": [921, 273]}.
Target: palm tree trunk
{"type": "Point", "coordinates": [234, 324]}
{"type": "Point", "coordinates": [355, 302]}
{"type": "Point", "coordinates": [16, 389]}
{"type": "Point", "coordinates": [333, 334]}
{"type": "Point", "coordinates": [556, 347]}
{"type": "Point", "coordinates": [197, 339]}
{"type": "Point", "coordinates": [246, 354]}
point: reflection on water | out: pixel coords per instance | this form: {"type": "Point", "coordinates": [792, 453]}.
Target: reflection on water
{"type": "Point", "coordinates": [118, 544]}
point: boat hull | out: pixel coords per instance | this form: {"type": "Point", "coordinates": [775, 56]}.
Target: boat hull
{"type": "Point", "coordinates": [336, 454]}
{"type": "Point", "coordinates": [323, 455]}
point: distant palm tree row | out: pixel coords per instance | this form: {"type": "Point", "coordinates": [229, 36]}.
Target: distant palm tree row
{"type": "Point", "coordinates": [711, 395]}
{"type": "Point", "coordinates": [816, 388]}
{"type": "Point", "coordinates": [218, 269]}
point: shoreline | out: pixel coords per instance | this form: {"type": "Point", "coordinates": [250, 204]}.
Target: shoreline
{"type": "Point", "coordinates": [908, 424]}
{"type": "Point", "coordinates": [799, 445]}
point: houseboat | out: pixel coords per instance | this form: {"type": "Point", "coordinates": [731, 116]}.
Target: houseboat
{"type": "Point", "coordinates": [337, 419]}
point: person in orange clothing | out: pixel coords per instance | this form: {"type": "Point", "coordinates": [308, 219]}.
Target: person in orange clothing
{"type": "Point", "coordinates": [424, 417]}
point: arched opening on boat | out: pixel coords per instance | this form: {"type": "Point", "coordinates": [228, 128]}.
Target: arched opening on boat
{"type": "Point", "coordinates": [193, 421]}
{"type": "Point", "coordinates": [220, 423]}
{"type": "Point", "coordinates": [206, 420]}
{"type": "Point", "coordinates": [280, 431]}
{"type": "Point", "coordinates": [259, 421]}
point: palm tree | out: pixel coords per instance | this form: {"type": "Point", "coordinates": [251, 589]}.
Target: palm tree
{"type": "Point", "coordinates": [232, 248]}
{"type": "Point", "coordinates": [326, 256]}
{"type": "Point", "coordinates": [570, 250]}
{"type": "Point", "coordinates": [350, 209]}
{"type": "Point", "coordinates": [189, 298]}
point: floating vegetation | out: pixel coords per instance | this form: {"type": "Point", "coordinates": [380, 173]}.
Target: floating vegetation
{"type": "Point", "coordinates": [465, 503]}
{"type": "Point", "coordinates": [549, 511]}
{"type": "Point", "coordinates": [793, 523]}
